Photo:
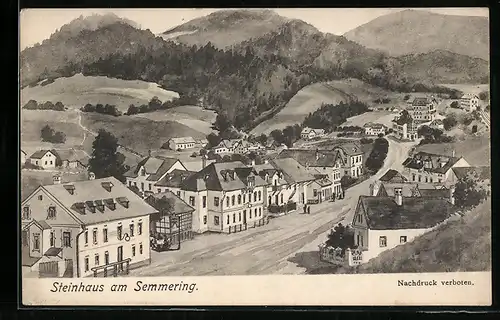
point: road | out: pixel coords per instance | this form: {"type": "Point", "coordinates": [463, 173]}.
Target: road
{"type": "Point", "coordinates": [265, 250]}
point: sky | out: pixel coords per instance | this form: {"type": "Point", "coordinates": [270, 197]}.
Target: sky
{"type": "Point", "coordinates": [38, 24]}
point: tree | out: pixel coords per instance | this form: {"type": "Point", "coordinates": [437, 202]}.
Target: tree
{"type": "Point", "coordinates": [454, 104]}
{"type": "Point", "coordinates": [59, 137]}
{"type": "Point", "coordinates": [341, 237]}
{"type": "Point", "coordinates": [449, 122]}
{"type": "Point", "coordinates": [262, 139]}
{"type": "Point", "coordinates": [213, 140]}
{"type": "Point", "coordinates": [467, 193]}
{"type": "Point", "coordinates": [222, 123]}
{"type": "Point", "coordinates": [31, 105]}
{"type": "Point", "coordinates": [105, 160]}
{"type": "Point", "coordinates": [203, 152]}
{"type": "Point", "coordinates": [378, 154]}
{"type": "Point", "coordinates": [278, 137]}
{"type": "Point", "coordinates": [483, 95]}
{"type": "Point", "coordinates": [47, 133]}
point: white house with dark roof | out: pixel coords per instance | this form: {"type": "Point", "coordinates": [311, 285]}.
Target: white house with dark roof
{"type": "Point", "coordinates": [181, 143]}
{"type": "Point", "coordinates": [469, 102]}
{"type": "Point", "coordinates": [310, 133]}
{"type": "Point", "coordinates": [405, 127]}
{"type": "Point", "coordinates": [381, 223]}
{"type": "Point", "coordinates": [97, 227]}
{"type": "Point", "coordinates": [423, 109]}
{"type": "Point", "coordinates": [23, 157]}
{"type": "Point", "coordinates": [149, 171]}
{"type": "Point", "coordinates": [44, 158]}
{"type": "Point", "coordinates": [431, 168]}
{"type": "Point", "coordinates": [374, 129]}
{"type": "Point", "coordinates": [228, 197]}
{"type": "Point", "coordinates": [351, 155]}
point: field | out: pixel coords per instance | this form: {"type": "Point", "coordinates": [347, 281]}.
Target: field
{"type": "Point", "coordinates": [139, 134]}
{"type": "Point", "coordinates": [30, 180]}
{"type": "Point", "coordinates": [310, 98]}
{"type": "Point", "coordinates": [383, 117]}
{"type": "Point", "coordinates": [476, 150]}
{"type": "Point", "coordinates": [78, 90]}
{"type": "Point", "coordinates": [190, 116]}
{"type": "Point", "coordinates": [472, 88]}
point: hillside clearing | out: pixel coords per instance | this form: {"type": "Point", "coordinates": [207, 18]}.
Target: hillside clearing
{"type": "Point", "coordinates": [471, 88]}
{"type": "Point", "coordinates": [78, 90]}
{"type": "Point", "coordinates": [383, 117]}
{"type": "Point", "coordinates": [310, 99]}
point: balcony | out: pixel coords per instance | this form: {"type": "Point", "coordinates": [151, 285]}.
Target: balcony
{"type": "Point", "coordinates": [276, 209]}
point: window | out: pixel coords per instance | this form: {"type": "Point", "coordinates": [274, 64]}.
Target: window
{"type": "Point", "coordinates": [403, 239]}
{"type": "Point", "coordinates": [86, 263]}
{"type": "Point", "coordinates": [191, 201]}
{"type": "Point", "coordinates": [133, 250]}
{"type": "Point", "coordinates": [119, 232]}
{"type": "Point", "coordinates": [67, 239]}
{"type": "Point", "coordinates": [51, 212]}
{"type": "Point", "coordinates": [260, 196]}
{"type": "Point", "coordinates": [143, 172]}
{"type": "Point", "coordinates": [250, 213]}
{"type": "Point", "coordinates": [216, 221]}
{"type": "Point", "coordinates": [45, 162]}
{"type": "Point", "coordinates": [105, 234]}
{"type": "Point", "coordinates": [255, 211]}
{"type": "Point", "coordinates": [26, 213]}
{"type": "Point", "coordinates": [150, 187]}
{"type": "Point", "coordinates": [106, 258]}
{"type": "Point", "coordinates": [315, 193]}
{"type": "Point", "coordinates": [244, 198]}
{"type": "Point", "coordinates": [239, 216]}
{"type": "Point", "coordinates": [233, 200]}
{"type": "Point", "coordinates": [36, 242]}
{"type": "Point", "coordinates": [255, 196]}
{"type": "Point", "coordinates": [204, 219]}
{"type": "Point", "coordinates": [227, 219]}
{"type": "Point", "coordinates": [419, 178]}
{"type": "Point", "coordinates": [86, 237]}
{"type": "Point", "coordinates": [382, 241]}
{"type": "Point", "coordinates": [140, 248]}
{"type": "Point", "coordinates": [431, 179]}
{"type": "Point", "coordinates": [94, 235]}
{"type": "Point", "coordinates": [239, 199]}
{"type": "Point", "coordinates": [96, 259]}
{"type": "Point", "coordinates": [234, 217]}
{"type": "Point", "coordinates": [216, 201]}
{"type": "Point", "coordinates": [159, 190]}
{"type": "Point", "coordinates": [40, 197]}
{"type": "Point", "coordinates": [130, 183]}
{"type": "Point", "coordinates": [227, 201]}
{"type": "Point", "coordinates": [139, 228]}
{"type": "Point", "coordinates": [52, 239]}
{"type": "Point", "coordinates": [281, 199]}
{"type": "Point", "coordinates": [131, 229]}
{"type": "Point", "coordinates": [260, 212]}
{"type": "Point", "coordinates": [204, 201]}
{"type": "Point", "coordinates": [142, 186]}
{"type": "Point", "coordinates": [178, 193]}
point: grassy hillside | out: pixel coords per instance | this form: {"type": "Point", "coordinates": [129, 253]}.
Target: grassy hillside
{"type": "Point", "coordinates": [414, 31]}
{"type": "Point", "coordinates": [225, 28]}
{"type": "Point", "coordinates": [458, 246]}
{"type": "Point", "coordinates": [78, 90]}
{"type": "Point", "coordinates": [139, 134]}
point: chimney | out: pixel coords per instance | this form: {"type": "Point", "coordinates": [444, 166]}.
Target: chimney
{"type": "Point", "coordinates": [398, 196]}
{"type": "Point", "coordinates": [452, 194]}
{"type": "Point", "coordinates": [91, 176]}
{"type": "Point", "coordinates": [56, 179]}
{"type": "Point", "coordinates": [203, 161]}
{"type": "Point", "coordinates": [453, 153]}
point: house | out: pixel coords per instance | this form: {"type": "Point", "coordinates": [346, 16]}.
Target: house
{"type": "Point", "coordinates": [287, 185]}
{"type": "Point", "coordinates": [240, 146]}
{"type": "Point", "coordinates": [172, 181]}
{"type": "Point", "coordinates": [174, 220]}
{"type": "Point", "coordinates": [481, 174]}
{"type": "Point", "coordinates": [404, 126]}
{"type": "Point", "coordinates": [226, 146]}
{"type": "Point", "coordinates": [469, 102]}
{"type": "Point", "coordinates": [228, 197]}
{"type": "Point", "coordinates": [197, 165]}
{"type": "Point", "coordinates": [431, 168]}
{"type": "Point", "coordinates": [202, 143]}
{"type": "Point", "coordinates": [408, 189]}
{"type": "Point", "coordinates": [181, 143]}
{"type": "Point", "coordinates": [73, 159]}
{"type": "Point", "coordinates": [46, 159]}
{"type": "Point", "coordinates": [437, 124]}
{"type": "Point", "coordinates": [382, 223]}
{"type": "Point", "coordinates": [319, 190]}
{"type": "Point", "coordinates": [85, 228]}
{"type": "Point", "coordinates": [310, 133]}
{"type": "Point", "coordinates": [150, 170]}
{"type": "Point", "coordinates": [374, 129]}
{"type": "Point", "coordinates": [23, 157]}
{"type": "Point", "coordinates": [351, 156]}
{"type": "Point", "coordinates": [393, 176]}
{"type": "Point", "coordinates": [318, 162]}
{"type": "Point", "coordinates": [423, 109]}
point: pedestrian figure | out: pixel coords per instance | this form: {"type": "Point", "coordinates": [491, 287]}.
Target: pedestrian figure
{"type": "Point", "coordinates": [305, 208]}
{"type": "Point", "coordinates": [308, 210]}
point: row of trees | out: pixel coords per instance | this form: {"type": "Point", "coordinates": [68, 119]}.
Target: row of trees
{"type": "Point", "coordinates": [156, 104]}
{"type": "Point", "coordinates": [378, 154]}
{"type": "Point", "coordinates": [34, 105]}
{"type": "Point", "coordinates": [330, 116]}
{"type": "Point", "coordinates": [47, 134]}
{"type": "Point", "coordinates": [432, 135]}
{"type": "Point", "coordinates": [108, 109]}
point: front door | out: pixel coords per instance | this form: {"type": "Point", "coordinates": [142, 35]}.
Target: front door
{"type": "Point", "coordinates": [120, 257]}
{"type": "Point", "coordinates": [245, 216]}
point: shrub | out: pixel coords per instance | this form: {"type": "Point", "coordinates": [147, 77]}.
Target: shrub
{"type": "Point", "coordinates": [483, 95]}
{"type": "Point", "coordinates": [103, 109]}
{"type": "Point", "coordinates": [48, 134]}
{"type": "Point", "coordinates": [449, 122]}
{"type": "Point", "coordinates": [366, 140]}
{"type": "Point", "coordinates": [455, 105]}
{"type": "Point", "coordinates": [378, 154]}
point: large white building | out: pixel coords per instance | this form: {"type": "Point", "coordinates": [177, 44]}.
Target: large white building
{"type": "Point", "coordinates": [423, 109]}
{"type": "Point", "coordinates": [469, 102]}
{"type": "Point", "coordinates": [404, 126]}
{"type": "Point", "coordinates": [44, 158]}
{"type": "Point", "coordinates": [310, 133]}
{"type": "Point", "coordinates": [181, 143]}
{"type": "Point", "coordinates": [87, 228]}
{"type": "Point", "coordinates": [425, 167]}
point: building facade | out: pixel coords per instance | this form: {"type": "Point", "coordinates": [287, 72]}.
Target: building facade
{"type": "Point", "coordinates": [310, 133]}
{"type": "Point", "coordinates": [469, 102]}
{"type": "Point", "coordinates": [374, 129]}
{"type": "Point", "coordinates": [351, 156]}
{"type": "Point", "coordinates": [44, 158]}
{"type": "Point", "coordinates": [423, 109]}
{"type": "Point", "coordinates": [405, 128]}
{"type": "Point", "coordinates": [181, 143]}
{"type": "Point", "coordinates": [425, 167]}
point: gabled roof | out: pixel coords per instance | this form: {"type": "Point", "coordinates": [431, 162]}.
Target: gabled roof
{"type": "Point", "coordinates": [40, 153]}
{"type": "Point", "coordinates": [408, 189]}
{"type": "Point", "coordinates": [322, 180]}
{"type": "Point", "coordinates": [156, 167]}
{"type": "Point", "coordinates": [225, 176]}
{"type": "Point", "coordinates": [435, 161]}
{"type": "Point", "coordinates": [177, 204]}
{"type": "Point", "coordinates": [374, 125]}
{"type": "Point", "coordinates": [482, 173]}
{"type": "Point", "coordinates": [183, 140]}
{"type": "Point", "coordinates": [420, 101]}
{"type": "Point", "coordinates": [469, 96]}
{"type": "Point", "coordinates": [174, 179]}
{"type": "Point", "coordinates": [97, 191]}
{"type": "Point", "coordinates": [293, 171]}
{"type": "Point", "coordinates": [73, 155]}
{"type": "Point", "coordinates": [42, 224]}
{"type": "Point", "coordinates": [382, 213]}
{"type": "Point", "coordinates": [403, 118]}
{"type": "Point", "coordinates": [393, 176]}
{"type": "Point", "coordinates": [310, 157]}
{"type": "Point", "coordinates": [349, 148]}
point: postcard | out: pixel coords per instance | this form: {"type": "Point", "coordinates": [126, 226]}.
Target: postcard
{"type": "Point", "coordinates": [218, 157]}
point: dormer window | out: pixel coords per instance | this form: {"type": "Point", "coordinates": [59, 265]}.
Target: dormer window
{"type": "Point", "coordinates": [51, 212]}
{"type": "Point", "coordinates": [99, 205]}
{"type": "Point", "coordinates": [251, 181]}
{"type": "Point", "coordinates": [123, 201]}
{"type": "Point", "coordinates": [80, 207]}
{"type": "Point", "coordinates": [107, 185]}
{"type": "Point", "coordinates": [143, 172]}
{"type": "Point", "coordinates": [91, 206]}
{"type": "Point", "coordinates": [111, 204]}
{"type": "Point", "coordinates": [70, 188]}
{"type": "Point", "coordinates": [26, 213]}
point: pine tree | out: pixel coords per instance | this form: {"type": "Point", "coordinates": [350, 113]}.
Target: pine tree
{"type": "Point", "coordinates": [105, 160]}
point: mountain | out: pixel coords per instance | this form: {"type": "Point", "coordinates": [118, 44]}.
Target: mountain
{"type": "Point", "coordinates": [418, 31]}
{"type": "Point", "coordinates": [226, 28]}
{"type": "Point", "coordinates": [82, 41]}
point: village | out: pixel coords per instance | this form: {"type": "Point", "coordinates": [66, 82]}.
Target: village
{"type": "Point", "coordinates": [172, 216]}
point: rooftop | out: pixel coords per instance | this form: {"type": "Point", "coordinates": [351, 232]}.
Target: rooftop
{"type": "Point", "coordinates": [310, 157]}
{"type": "Point", "coordinates": [174, 179]}
{"type": "Point", "coordinates": [183, 140]}
{"type": "Point", "coordinates": [293, 171]}
{"type": "Point", "coordinates": [481, 173]}
{"type": "Point", "coordinates": [393, 176]}
{"type": "Point", "coordinates": [155, 167]}
{"type": "Point", "coordinates": [40, 153]}
{"type": "Point", "coordinates": [168, 201]}
{"type": "Point", "coordinates": [415, 213]}
{"type": "Point", "coordinates": [430, 162]}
